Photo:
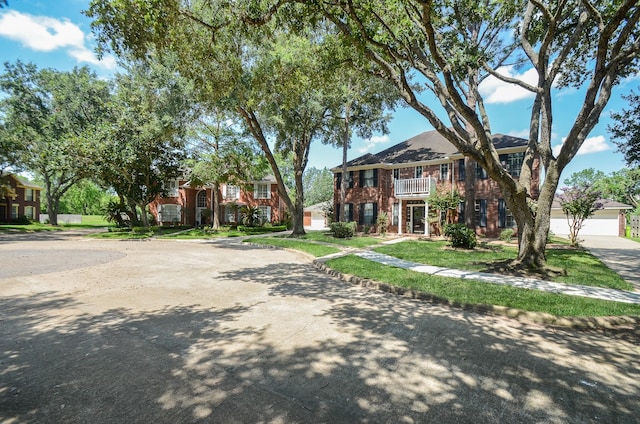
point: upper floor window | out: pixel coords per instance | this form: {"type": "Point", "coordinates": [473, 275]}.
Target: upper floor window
{"type": "Point", "coordinates": [396, 174]}
{"type": "Point", "coordinates": [444, 171]}
{"type": "Point", "coordinates": [512, 162]}
{"type": "Point", "coordinates": [28, 195]}
{"type": "Point", "coordinates": [172, 188]}
{"type": "Point", "coordinates": [461, 170]}
{"type": "Point", "coordinates": [369, 177]}
{"type": "Point", "coordinates": [481, 173]}
{"type": "Point", "coordinates": [233, 192]}
{"type": "Point", "coordinates": [418, 172]}
{"type": "Point", "coordinates": [261, 191]}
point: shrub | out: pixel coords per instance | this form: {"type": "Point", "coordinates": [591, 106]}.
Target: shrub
{"type": "Point", "coordinates": [460, 236]}
{"type": "Point", "coordinates": [506, 234]}
{"type": "Point", "coordinates": [383, 222]}
{"type": "Point", "coordinates": [343, 229]}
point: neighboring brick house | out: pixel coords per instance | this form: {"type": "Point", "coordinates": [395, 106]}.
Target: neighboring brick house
{"type": "Point", "coordinates": [23, 199]}
{"type": "Point", "coordinates": [188, 205]}
{"type": "Point", "coordinates": [400, 179]}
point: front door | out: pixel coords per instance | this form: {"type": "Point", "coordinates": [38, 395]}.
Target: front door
{"type": "Point", "coordinates": [416, 219]}
{"type": "Point", "coordinates": [201, 205]}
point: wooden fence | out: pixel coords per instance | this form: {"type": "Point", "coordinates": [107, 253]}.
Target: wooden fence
{"type": "Point", "coordinates": [635, 226]}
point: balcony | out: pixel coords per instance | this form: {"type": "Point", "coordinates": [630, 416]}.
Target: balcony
{"type": "Point", "coordinates": [414, 187]}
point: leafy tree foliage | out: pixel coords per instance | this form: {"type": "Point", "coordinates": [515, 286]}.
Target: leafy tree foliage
{"type": "Point", "coordinates": [446, 48]}
{"type": "Point", "coordinates": [56, 116]}
{"type": "Point", "coordinates": [626, 130]}
{"type": "Point", "coordinates": [578, 203]}
{"type": "Point", "coordinates": [318, 186]}
{"type": "Point", "coordinates": [142, 147]}
{"type": "Point", "coordinates": [622, 186]}
{"type": "Point", "coordinates": [222, 154]}
{"type": "Point", "coordinates": [84, 198]}
{"type": "Point", "coordinates": [277, 81]}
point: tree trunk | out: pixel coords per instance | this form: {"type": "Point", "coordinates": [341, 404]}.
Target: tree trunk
{"type": "Point", "coordinates": [215, 216]}
{"type": "Point", "coordinates": [469, 193]}
{"type": "Point", "coordinates": [143, 215]}
{"type": "Point", "coordinates": [343, 180]}
{"type": "Point", "coordinates": [52, 207]}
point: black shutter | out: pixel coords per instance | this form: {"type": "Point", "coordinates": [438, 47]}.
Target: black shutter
{"type": "Point", "coordinates": [361, 214]}
{"type": "Point", "coordinates": [502, 213]}
{"type": "Point", "coordinates": [361, 178]}
{"type": "Point", "coordinates": [461, 213]}
{"type": "Point", "coordinates": [350, 212]}
{"type": "Point", "coordinates": [350, 179]}
{"type": "Point", "coordinates": [375, 178]}
{"type": "Point", "coordinates": [461, 170]}
{"type": "Point", "coordinates": [337, 212]}
{"type": "Point", "coordinates": [375, 213]}
{"type": "Point", "coordinates": [483, 212]}
{"type": "Point", "coordinates": [338, 180]}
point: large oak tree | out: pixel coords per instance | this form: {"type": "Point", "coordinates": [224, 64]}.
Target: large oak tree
{"type": "Point", "coordinates": [449, 46]}
{"type": "Point", "coordinates": [55, 117]}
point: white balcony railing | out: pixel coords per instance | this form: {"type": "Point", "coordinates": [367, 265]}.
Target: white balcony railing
{"type": "Point", "coordinates": [414, 186]}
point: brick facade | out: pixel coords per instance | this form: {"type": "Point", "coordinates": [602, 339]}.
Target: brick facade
{"type": "Point", "coordinates": [24, 200]}
{"type": "Point", "coordinates": [185, 205]}
{"type": "Point", "coordinates": [446, 171]}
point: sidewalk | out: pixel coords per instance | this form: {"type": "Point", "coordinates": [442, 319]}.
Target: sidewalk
{"type": "Point", "coordinates": [521, 282]}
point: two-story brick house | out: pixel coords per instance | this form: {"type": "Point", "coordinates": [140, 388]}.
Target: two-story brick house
{"type": "Point", "coordinates": [187, 205]}
{"type": "Point", "coordinates": [22, 199]}
{"type": "Point", "coordinates": [400, 179]}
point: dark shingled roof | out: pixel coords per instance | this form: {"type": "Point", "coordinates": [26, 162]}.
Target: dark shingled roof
{"type": "Point", "coordinates": [429, 145]}
{"type": "Point", "coordinates": [606, 204]}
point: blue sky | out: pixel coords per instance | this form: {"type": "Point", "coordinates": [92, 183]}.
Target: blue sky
{"type": "Point", "coordinates": [55, 34]}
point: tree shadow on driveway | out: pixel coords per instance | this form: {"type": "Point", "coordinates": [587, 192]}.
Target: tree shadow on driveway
{"type": "Point", "coordinates": [352, 355]}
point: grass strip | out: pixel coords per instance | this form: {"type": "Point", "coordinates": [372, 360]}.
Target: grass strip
{"type": "Point", "coordinates": [314, 249]}
{"type": "Point", "coordinates": [580, 266]}
{"type": "Point", "coordinates": [476, 292]}
{"type": "Point", "coordinates": [324, 237]}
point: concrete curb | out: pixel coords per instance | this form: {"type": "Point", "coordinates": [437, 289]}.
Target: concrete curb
{"type": "Point", "coordinates": [577, 323]}
{"type": "Point", "coordinates": [611, 323]}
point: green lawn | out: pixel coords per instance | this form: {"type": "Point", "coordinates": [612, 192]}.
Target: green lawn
{"type": "Point", "coordinates": [325, 237]}
{"type": "Point", "coordinates": [29, 228]}
{"type": "Point", "coordinates": [580, 266]}
{"type": "Point", "coordinates": [313, 249]}
{"type": "Point", "coordinates": [474, 292]}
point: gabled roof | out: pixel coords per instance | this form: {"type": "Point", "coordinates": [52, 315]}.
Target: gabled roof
{"type": "Point", "coordinates": [426, 146]}
{"type": "Point", "coordinates": [23, 182]}
{"type": "Point", "coordinates": [606, 204]}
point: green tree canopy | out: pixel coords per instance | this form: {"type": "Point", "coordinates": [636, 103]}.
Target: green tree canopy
{"type": "Point", "coordinates": [56, 116]}
{"type": "Point", "coordinates": [446, 48]}
{"type": "Point", "coordinates": [143, 144]}
{"type": "Point", "coordinates": [626, 130]}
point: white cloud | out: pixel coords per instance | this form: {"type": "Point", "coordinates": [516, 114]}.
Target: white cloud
{"type": "Point", "coordinates": [371, 143]}
{"type": "Point", "coordinates": [519, 133]}
{"type": "Point", "coordinates": [45, 34]}
{"type": "Point", "coordinates": [494, 90]}
{"type": "Point", "coordinates": [591, 145]}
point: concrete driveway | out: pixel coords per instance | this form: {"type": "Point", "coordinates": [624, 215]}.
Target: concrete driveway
{"type": "Point", "coordinates": [180, 332]}
{"type": "Point", "coordinates": [620, 254]}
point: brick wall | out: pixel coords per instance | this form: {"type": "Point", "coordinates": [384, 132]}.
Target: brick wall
{"type": "Point", "coordinates": [382, 194]}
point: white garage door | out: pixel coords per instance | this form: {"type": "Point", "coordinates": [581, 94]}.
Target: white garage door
{"type": "Point", "coordinates": [603, 223]}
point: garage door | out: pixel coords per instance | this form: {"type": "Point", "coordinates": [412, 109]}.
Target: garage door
{"type": "Point", "coordinates": [603, 223]}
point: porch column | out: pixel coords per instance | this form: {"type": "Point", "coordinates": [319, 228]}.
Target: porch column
{"type": "Point", "coordinates": [400, 216]}
{"type": "Point", "coordinates": [426, 218]}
